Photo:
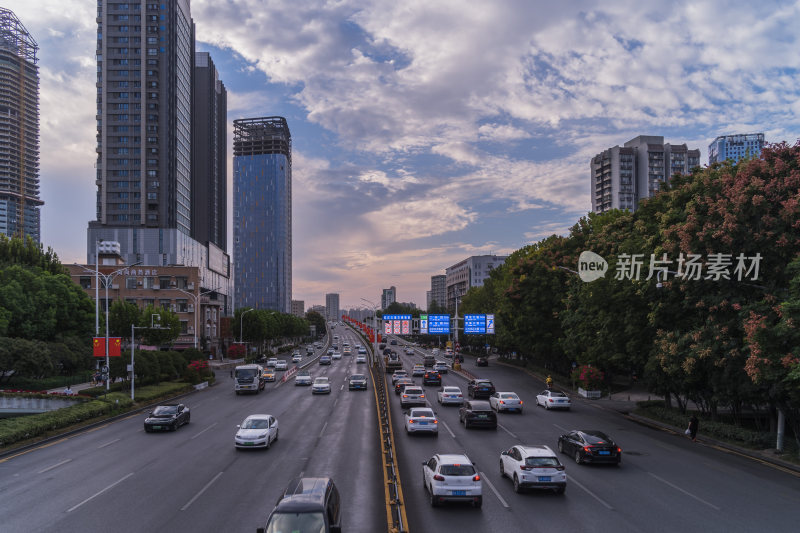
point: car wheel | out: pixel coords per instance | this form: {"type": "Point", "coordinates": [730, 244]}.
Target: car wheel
{"type": "Point", "coordinates": [578, 459]}
{"type": "Point", "coordinates": [466, 424]}
{"type": "Point", "coordinates": [560, 446]}
{"type": "Point", "coordinates": [546, 407]}
{"type": "Point", "coordinates": [276, 434]}
{"type": "Point", "coordinates": [188, 419]}
{"type": "Point", "coordinates": [147, 430]}
{"type": "Point", "coordinates": [560, 490]}
{"type": "Point", "coordinates": [517, 488]}
{"type": "Point", "coordinates": [478, 503]}
{"type": "Point", "coordinates": [269, 442]}
{"type": "Point", "coordinates": [434, 501]}
{"type": "Point", "coordinates": [174, 426]}
{"type": "Point", "coordinates": [502, 469]}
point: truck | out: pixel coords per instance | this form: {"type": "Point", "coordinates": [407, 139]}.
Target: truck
{"type": "Point", "coordinates": [249, 378]}
{"type": "Point", "coordinates": [392, 362]}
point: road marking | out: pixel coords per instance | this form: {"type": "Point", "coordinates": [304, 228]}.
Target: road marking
{"type": "Point", "coordinates": [701, 500]}
{"type": "Point", "coordinates": [565, 430]}
{"type": "Point", "coordinates": [592, 494]}
{"type": "Point", "coordinates": [65, 461]}
{"type": "Point", "coordinates": [341, 388]}
{"type": "Point", "coordinates": [90, 498]}
{"type": "Point", "coordinates": [108, 443]}
{"type": "Point", "coordinates": [323, 429]}
{"type": "Point", "coordinates": [486, 479]}
{"type": "Point", "coordinates": [506, 430]}
{"type": "Point", "coordinates": [447, 428]}
{"type": "Point", "coordinates": [201, 492]}
{"type": "Point", "coordinates": [198, 434]}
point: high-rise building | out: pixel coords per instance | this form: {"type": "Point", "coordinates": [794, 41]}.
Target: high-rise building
{"type": "Point", "coordinates": [438, 290]}
{"type": "Point", "coordinates": [623, 176]}
{"type": "Point", "coordinates": [19, 130]}
{"type": "Point", "coordinates": [298, 308]}
{"type": "Point", "coordinates": [388, 297]}
{"type": "Point", "coordinates": [262, 213]}
{"type": "Point", "coordinates": [332, 313]}
{"type": "Point", "coordinates": [735, 147]}
{"type": "Point", "coordinates": [471, 272]}
{"type": "Point", "coordinates": [209, 154]}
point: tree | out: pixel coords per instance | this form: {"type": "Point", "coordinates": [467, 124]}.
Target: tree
{"type": "Point", "coordinates": [316, 319]}
{"type": "Point", "coordinates": [122, 315]}
{"type": "Point", "coordinates": [170, 326]}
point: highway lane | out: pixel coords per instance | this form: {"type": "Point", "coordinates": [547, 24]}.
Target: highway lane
{"type": "Point", "coordinates": [666, 483]}
{"type": "Point", "coordinates": [118, 477]}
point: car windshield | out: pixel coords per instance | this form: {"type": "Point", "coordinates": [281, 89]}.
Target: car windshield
{"type": "Point", "coordinates": [321, 381]}
{"type": "Point", "coordinates": [245, 372]}
{"type": "Point", "coordinates": [457, 470]}
{"type": "Point", "coordinates": [296, 523]}
{"type": "Point", "coordinates": [452, 389]}
{"type": "Point", "coordinates": [255, 423]}
{"type": "Point", "coordinates": [165, 410]}
{"type": "Point", "coordinates": [358, 376]}
{"type": "Point", "coordinates": [422, 412]}
{"type": "Point", "coordinates": [541, 461]}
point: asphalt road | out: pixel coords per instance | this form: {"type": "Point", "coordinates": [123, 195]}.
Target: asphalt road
{"type": "Point", "coordinates": [119, 478]}
{"type": "Point", "coordinates": [665, 482]}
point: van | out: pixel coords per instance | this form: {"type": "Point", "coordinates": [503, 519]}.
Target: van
{"type": "Point", "coordinates": [428, 360]}
{"type": "Point", "coordinates": [308, 504]}
{"type": "Point", "coordinates": [249, 378]}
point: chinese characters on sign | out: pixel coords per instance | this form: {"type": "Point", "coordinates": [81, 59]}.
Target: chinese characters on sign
{"type": "Point", "coordinates": [434, 324]}
{"type": "Point", "coordinates": [479, 324]}
{"type": "Point", "coordinates": [690, 267]}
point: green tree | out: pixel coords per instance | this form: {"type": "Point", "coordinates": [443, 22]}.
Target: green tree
{"type": "Point", "coordinates": [122, 315]}
{"type": "Point", "coordinates": [170, 326]}
{"type": "Point", "coordinates": [316, 319]}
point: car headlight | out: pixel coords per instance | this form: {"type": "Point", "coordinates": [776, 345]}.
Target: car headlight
{"type": "Point", "coordinates": [261, 436]}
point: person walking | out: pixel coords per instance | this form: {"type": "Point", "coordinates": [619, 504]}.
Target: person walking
{"type": "Point", "coordinates": [693, 426]}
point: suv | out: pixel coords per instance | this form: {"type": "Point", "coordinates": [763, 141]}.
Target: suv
{"type": "Point", "coordinates": [428, 361]}
{"type": "Point", "coordinates": [412, 395]}
{"type": "Point", "coordinates": [452, 477]}
{"type": "Point", "coordinates": [533, 466]}
{"type": "Point", "coordinates": [432, 377]}
{"type": "Point", "coordinates": [480, 388]}
{"type": "Point", "coordinates": [477, 413]}
{"type": "Point", "coordinates": [309, 504]}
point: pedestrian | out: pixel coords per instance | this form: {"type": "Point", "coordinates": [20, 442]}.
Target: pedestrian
{"type": "Point", "coordinates": [692, 429]}
{"type": "Point", "coordinates": [68, 391]}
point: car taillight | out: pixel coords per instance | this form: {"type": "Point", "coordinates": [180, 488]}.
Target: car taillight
{"type": "Point", "coordinates": [435, 421]}
{"type": "Point", "coordinates": [411, 421]}
{"type": "Point", "coordinates": [520, 402]}
{"type": "Point", "coordinates": [405, 395]}
{"type": "Point", "coordinates": [476, 477]}
{"type": "Point", "coordinates": [437, 477]}
{"type": "Point", "coordinates": [501, 401]}
{"type": "Point", "coordinates": [550, 400]}
{"type": "Point", "coordinates": [619, 450]}
{"type": "Point", "coordinates": [525, 467]}
{"type": "Point", "coordinates": [560, 467]}
{"type": "Point", "coordinates": [421, 395]}
{"type": "Point", "coordinates": [588, 448]}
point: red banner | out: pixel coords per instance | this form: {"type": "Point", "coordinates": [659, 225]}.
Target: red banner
{"type": "Point", "coordinates": [115, 347]}
{"type": "Point", "coordinates": [99, 347]}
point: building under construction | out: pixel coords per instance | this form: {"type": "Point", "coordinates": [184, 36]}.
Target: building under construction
{"type": "Point", "coordinates": [19, 130]}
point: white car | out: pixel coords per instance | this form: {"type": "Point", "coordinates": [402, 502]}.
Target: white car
{"type": "Point", "coordinates": [321, 386]}
{"type": "Point", "coordinates": [257, 431]}
{"type": "Point", "coordinates": [362, 350]}
{"type": "Point", "coordinates": [450, 396]}
{"type": "Point", "coordinates": [422, 419]}
{"type": "Point", "coordinates": [330, 351]}
{"type": "Point", "coordinates": [296, 358]}
{"type": "Point", "coordinates": [506, 401]}
{"type": "Point", "coordinates": [336, 355]}
{"type": "Point", "coordinates": [418, 370]}
{"type": "Point", "coordinates": [361, 358]}
{"type": "Point", "coordinates": [533, 467]}
{"type": "Point", "coordinates": [281, 364]}
{"type": "Point", "coordinates": [397, 374]}
{"type": "Point", "coordinates": [452, 477]}
{"type": "Point", "coordinates": [271, 362]}
{"type": "Point", "coordinates": [551, 399]}
{"type": "Point", "coordinates": [302, 378]}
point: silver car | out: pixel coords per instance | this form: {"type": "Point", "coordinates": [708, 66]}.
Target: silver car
{"type": "Point", "coordinates": [281, 364]}
{"type": "Point", "coordinates": [505, 401]}
{"type": "Point", "coordinates": [412, 395]}
{"type": "Point", "coordinates": [321, 386]}
{"type": "Point", "coordinates": [422, 419]}
{"type": "Point", "coordinates": [257, 431]}
{"type": "Point", "coordinates": [450, 395]}
{"type": "Point", "coordinates": [302, 378]}
{"type": "Point", "coordinates": [551, 399]}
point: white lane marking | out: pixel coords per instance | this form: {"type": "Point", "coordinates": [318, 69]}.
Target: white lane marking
{"type": "Point", "coordinates": [65, 461]}
{"type": "Point", "coordinates": [506, 430]}
{"type": "Point", "coordinates": [201, 492]}
{"type": "Point", "coordinates": [198, 434]}
{"type": "Point", "coordinates": [323, 429]}
{"type": "Point", "coordinates": [108, 443]}
{"type": "Point", "coordinates": [565, 430]}
{"type": "Point", "coordinates": [486, 479]}
{"type": "Point", "coordinates": [95, 495]}
{"type": "Point", "coordinates": [592, 494]}
{"type": "Point", "coordinates": [701, 500]}
{"type": "Point", "coordinates": [341, 388]}
{"type": "Point", "coordinates": [447, 428]}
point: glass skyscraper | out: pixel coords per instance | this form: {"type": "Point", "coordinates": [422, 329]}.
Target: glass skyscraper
{"type": "Point", "coordinates": [735, 147]}
{"type": "Point", "coordinates": [262, 213]}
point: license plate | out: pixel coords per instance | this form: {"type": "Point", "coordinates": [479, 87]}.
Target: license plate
{"type": "Point", "coordinates": [459, 493]}
{"type": "Point", "coordinates": [423, 423]}
{"type": "Point", "coordinates": [605, 452]}
{"type": "Point", "coordinates": [544, 478]}
{"type": "Point", "coordinates": [156, 427]}
{"type": "Point", "coordinates": [483, 416]}
{"type": "Point", "coordinates": [248, 443]}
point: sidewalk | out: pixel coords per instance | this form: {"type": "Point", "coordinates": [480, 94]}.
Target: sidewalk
{"type": "Point", "coordinates": [76, 388]}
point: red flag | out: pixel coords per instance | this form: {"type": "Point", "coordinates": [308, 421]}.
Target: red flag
{"type": "Point", "coordinates": [115, 347]}
{"type": "Point", "coordinates": [99, 347]}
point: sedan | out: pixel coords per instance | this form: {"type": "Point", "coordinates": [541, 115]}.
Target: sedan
{"type": "Point", "coordinates": [551, 399]}
{"type": "Point", "coordinates": [168, 417]}
{"type": "Point", "coordinates": [481, 361]}
{"type": "Point", "coordinates": [418, 370]}
{"type": "Point", "coordinates": [257, 431]}
{"type": "Point", "coordinates": [321, 386]}
{"type": "Point", "coordinates": [422, 419]}
{"type": "Point", "coordinates": [268, 375]}
{"type": "Point", "coordinates": [325, 360]}
{"type": "Point", "coordinates": [590, 447]}
{"type": "Point", "coordinates": [409, 351]}
{"type": "Point", "coordinates": [336, 355]}
{"type": "Point", "coordinates": [412, 395]}
{"type": "Point", "coordinates": [271, 362]}
{"type": "Point", "coordinates": [361, 358]}
{"type": "Point", "coordinates": [505, 401]}
{"type": "Point", "coordinates": [397, 374]}
{"type": "Point", "coordinates": [281, 364]}
{"type": "Point", "coordinates": [480, 388]}
{"type": "Point", "coordinates": [450, 396]}
{"type": "Point", "coordinates": [432, 377]}
{"type": "Point", "coordinates": [296, 358]}
{"type": "Point", "coordinates": [533, 467]}
{"type": "Point", "coordinates": [330, 351]}
{"type": "Point", "coordinates": [302, 378]}
{"type": "Point", "coordinates": [401, 383]}
{"type": "Point", "coordinates": [357, 381]}
{"type": "Point", "coordinates": [440, 367]}
{"type": "Point", "coordinates": [477, 413]}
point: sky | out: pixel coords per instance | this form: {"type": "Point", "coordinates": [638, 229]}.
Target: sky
{"type": "Point", "coordinates": [426, 132]}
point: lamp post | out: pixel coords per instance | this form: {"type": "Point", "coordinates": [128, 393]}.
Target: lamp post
{"type": "Point", "coordinates": [196, 307]}
{"type": "Point", "coordinates": [152, 325]}
{"type": "Point", "coordinates": [374, 331]}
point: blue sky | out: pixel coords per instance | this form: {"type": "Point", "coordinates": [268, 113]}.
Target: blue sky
{"type": "Point", "coordinates": [425, 132]}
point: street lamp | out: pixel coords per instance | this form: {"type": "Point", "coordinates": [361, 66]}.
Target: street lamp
{"type": "Point", "coordinates": [374, 331]}
{"type": "Point", "coordinates": [241, 324]}
{"type": "Point", "coordinates": [196, 307]}
{"type": "Point", "coordinates": [153, 319]}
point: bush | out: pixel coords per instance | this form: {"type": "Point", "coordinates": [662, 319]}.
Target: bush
{"type": "Point", "coordinates": [17, 429]}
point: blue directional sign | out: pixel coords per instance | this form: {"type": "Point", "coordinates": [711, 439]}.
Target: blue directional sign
{"type": "Point", "coordinates": [479, 324]}
{"type": "Point", "coordinates": [490, 324]}
{"type": "Point", "coordinates": [423, 324]}
{"type": "Point", "coordinates": [439, 324]}
{"type": "Point", "coordinates": [396, 317]}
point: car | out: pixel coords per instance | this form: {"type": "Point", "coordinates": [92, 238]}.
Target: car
{"type": "Point", "coordinates": [362, 351]}
{"type": "Point", "coordinates": [450, 396]}
{"type": "Point", "coordinates": [590, 447]}
{"type": "Point", "coordinates": [167, 417]}
{"type": "Point", "coordinates": [452, 477]}
{"type": "Point", "coordinates": [336, 355]}
{"type": "Point", "coordinates": [268, 374]}
{"type": "Point", "coordinates": [535, 467]}
{"type": "Point", "coordinates": [505, 401]}
{"type": "Point", "coordinates": [440, 367]}
{"type": "Point", "coordinates": [382, 346]}
{"type": "Point", "coordinates": [409, 351]}
{"type": "Point", "coordinates": [401, 383]}
{"type": "Point", "coordinates": [399, 373]}
{"type": "Point", "coordinates": [303, 378]}
{"type": "Point", "coordinates": [357, 381]}
{"type": "Point", "coordinates": [309, 350]}
{"type": "Point", "coordinates": [317, 345]}
{"type": "Point", "coordinates": [361, 358]}
{"type": "Point", "coordinates": [393, 342]}
{"type": "Point", "coordinates": [335, 347]}
{"type": "Point", "coordinates": [330, 351]}
{"type": "Point", "coordinates": [418, 370]}
{"type": "Point", "coordinates": [422, 419]}
{"type": "Point", "coordinates": [336, 337]}
{"type": "Point", "coordinates": [296, 358]}
{"type": "Point", "coordinates": [257, 431]}
{"type": "Point", "coordinates": [412, 395]}
{"type": "Point", "coordinates": [321, 386]}
{"type": "Point", "coordinates": [551, 399]}
{"type": "Point", "coordinates": [387, 351]}
{"type": "Point", "coordinates": [281, 364]}
{"type": "Point", "coordinates": [480, 388]}
{"type": "Point", "coordinates": [309, 504]}
{"type": "Point", "coordinates": [432, 377]}
{"type": "Point", "coordinates": [482, 361]}
{"type": "Point", "coordinates": [477, 413]}
{"type": "Point", "coordinates": [325, 360]}
{"type": "Point", "coordinates": [271, 362]}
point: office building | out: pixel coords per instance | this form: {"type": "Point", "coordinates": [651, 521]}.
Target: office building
{"type": "Point", "coordinates": [735, 147]}
{"type": "Point", "coordinates": [471, 272]}
{"type": "Point", "coordinates": [298, 308]}
{"type": "Point", "coordinates": [388, 297]}
{"type": "Point", "coordinates": [19, 130]}
{"type": "Point", "coordinates": [438, 292]}
{"type": "Point", "coordinates": [623, 176]}
{"type": "Point", "coordinates": [209, 154]}
{"type": "Point", "coordinates": [332, 313]}
{"type": "Point", "coordinates": [262, 213]}
{"type": "Point", "coordinates": [318, 309]}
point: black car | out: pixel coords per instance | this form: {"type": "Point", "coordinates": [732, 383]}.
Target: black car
{"type": "Point", "coordinates": [325, 360]}
{"type": "Point", "coordinates": [382, 346]}
{"type": "Point", "coordinates": [400, 383]}
{"type": "Point", "coordinates": [387, 351]}
{"type": "Point", "coordinates": [480, 388]}
{"type": "Point", "coordinates": [167, 417]}
{"type": "Point", "coordinates": [432, 377]}
{"type": "Point", "coordinates": [393, 342]}
{"type": "Point", "coordinates": [590, 447]}
{"type": "Point", "coordinates": [477, 413]}
{"type": "Point", "coordinates": [309, 504]}
{"type": "Point", "coordinates": [482, 361]}
{"type": "Point", "coordinates": [357, 381]}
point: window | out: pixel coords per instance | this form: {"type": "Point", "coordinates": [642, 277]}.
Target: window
{"type": "Point", "coordinates": [164, 304]}
{"type": "Point", "coordinates": [86, 282]}
{"type": "Point", "coordinates": [148, 283]}
{"type": "Point", "coordinates": [182, 305]}
{"type": "Point", "coordinates": [130, 283]}
{"type": "Point", "coordinates": [164, 282]}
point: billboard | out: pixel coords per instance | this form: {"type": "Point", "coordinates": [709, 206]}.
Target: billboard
{"type": "Point", "coordinates": [479, 324]}
{"type": "Point", "coordinates": [397, 324]}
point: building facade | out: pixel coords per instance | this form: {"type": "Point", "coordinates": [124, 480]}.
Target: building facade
{"type": "Point", "coordinates": [735, 147]}
{"type": "Point", "coordinates": [438, 292]}
{"type": "Point", "coordinates": [471, 272]}
{"type": "Point", "coordinates": [388, 297]}
{"type": "Point", "coordinates": [623, 176]}
{"type": "Point", "coordinates": [20, 204]}
{"type": "Point", "coordinates": [332, 312]}
{"type": "Point", "coordinates": [298, 308]}
{"type": "Point", "coordinates": [262, 213]}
